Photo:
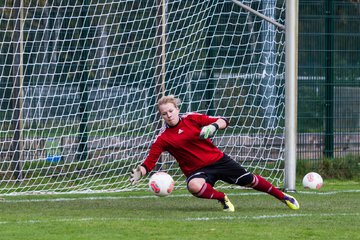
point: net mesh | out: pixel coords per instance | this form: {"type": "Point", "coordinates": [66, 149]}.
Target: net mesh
{"type": "Point", "coordinates": [80, 80]}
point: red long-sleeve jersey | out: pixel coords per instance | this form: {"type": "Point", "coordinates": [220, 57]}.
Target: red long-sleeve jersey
{"type": "Point", "coordinates": [183, 143]}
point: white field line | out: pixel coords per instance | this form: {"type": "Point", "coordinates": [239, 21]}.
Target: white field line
{"type": "Point", "coordinates": [273, 216]}
{"type": "Point", "coordinates": [64, 199]}
{"type": "Point", "coordinates": [119, 219]}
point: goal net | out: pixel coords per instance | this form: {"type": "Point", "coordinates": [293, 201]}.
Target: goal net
{"type": "Point", "coordinates": [80, 80]}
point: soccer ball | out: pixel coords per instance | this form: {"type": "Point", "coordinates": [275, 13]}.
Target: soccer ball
{"type": "Point", "coordinates": [161, 184]}
{"type": "Point", "coordinates": [312, 180]}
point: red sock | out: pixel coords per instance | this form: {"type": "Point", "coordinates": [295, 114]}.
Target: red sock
{"type": "Point", "coordinates": [262, 185]}
{"type": "Point", "coordinates": [207, 191]}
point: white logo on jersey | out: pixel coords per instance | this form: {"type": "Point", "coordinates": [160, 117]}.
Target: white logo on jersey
{"type": "Point", "coordinates": [180, 131]}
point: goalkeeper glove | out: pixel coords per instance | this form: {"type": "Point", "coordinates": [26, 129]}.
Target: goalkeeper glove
{"type": "Point", "coordinates": [136, 174]}
{"type": "Point", "coordinates": [208, 131]}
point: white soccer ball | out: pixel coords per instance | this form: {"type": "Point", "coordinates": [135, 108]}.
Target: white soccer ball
{"type": "Point", "coordinates": [161, 184]}
{"type": "Point", "coordinates": [312, 180]}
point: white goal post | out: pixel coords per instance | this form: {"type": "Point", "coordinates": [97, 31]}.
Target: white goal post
{"type": "Point", "coordinates": [79, 84]}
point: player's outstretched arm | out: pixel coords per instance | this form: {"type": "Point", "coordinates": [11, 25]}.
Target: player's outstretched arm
{"type": "Point", "coordinates": [136, 174]}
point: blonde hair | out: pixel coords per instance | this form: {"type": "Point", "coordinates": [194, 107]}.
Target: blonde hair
{"type": "Point", "coordinates": [169, 99]}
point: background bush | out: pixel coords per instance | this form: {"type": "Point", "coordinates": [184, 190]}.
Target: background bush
{"type": "Point", "coordinates": [345, 168]}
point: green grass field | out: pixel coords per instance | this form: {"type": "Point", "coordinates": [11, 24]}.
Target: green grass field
{"type": "Point", "coordinates": [331, 213]}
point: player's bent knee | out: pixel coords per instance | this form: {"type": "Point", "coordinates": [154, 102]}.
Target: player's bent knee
{"type": "Point", "coordinates": [195, 184]}
{"type": "Point", "coordinates": [246, 180]}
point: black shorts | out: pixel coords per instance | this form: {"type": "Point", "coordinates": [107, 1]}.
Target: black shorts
{"type": "Point", "coordinates": [226, 169]}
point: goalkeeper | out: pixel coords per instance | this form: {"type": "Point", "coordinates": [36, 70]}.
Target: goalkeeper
{"type": "Point", "coordinates": [187, 139]}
